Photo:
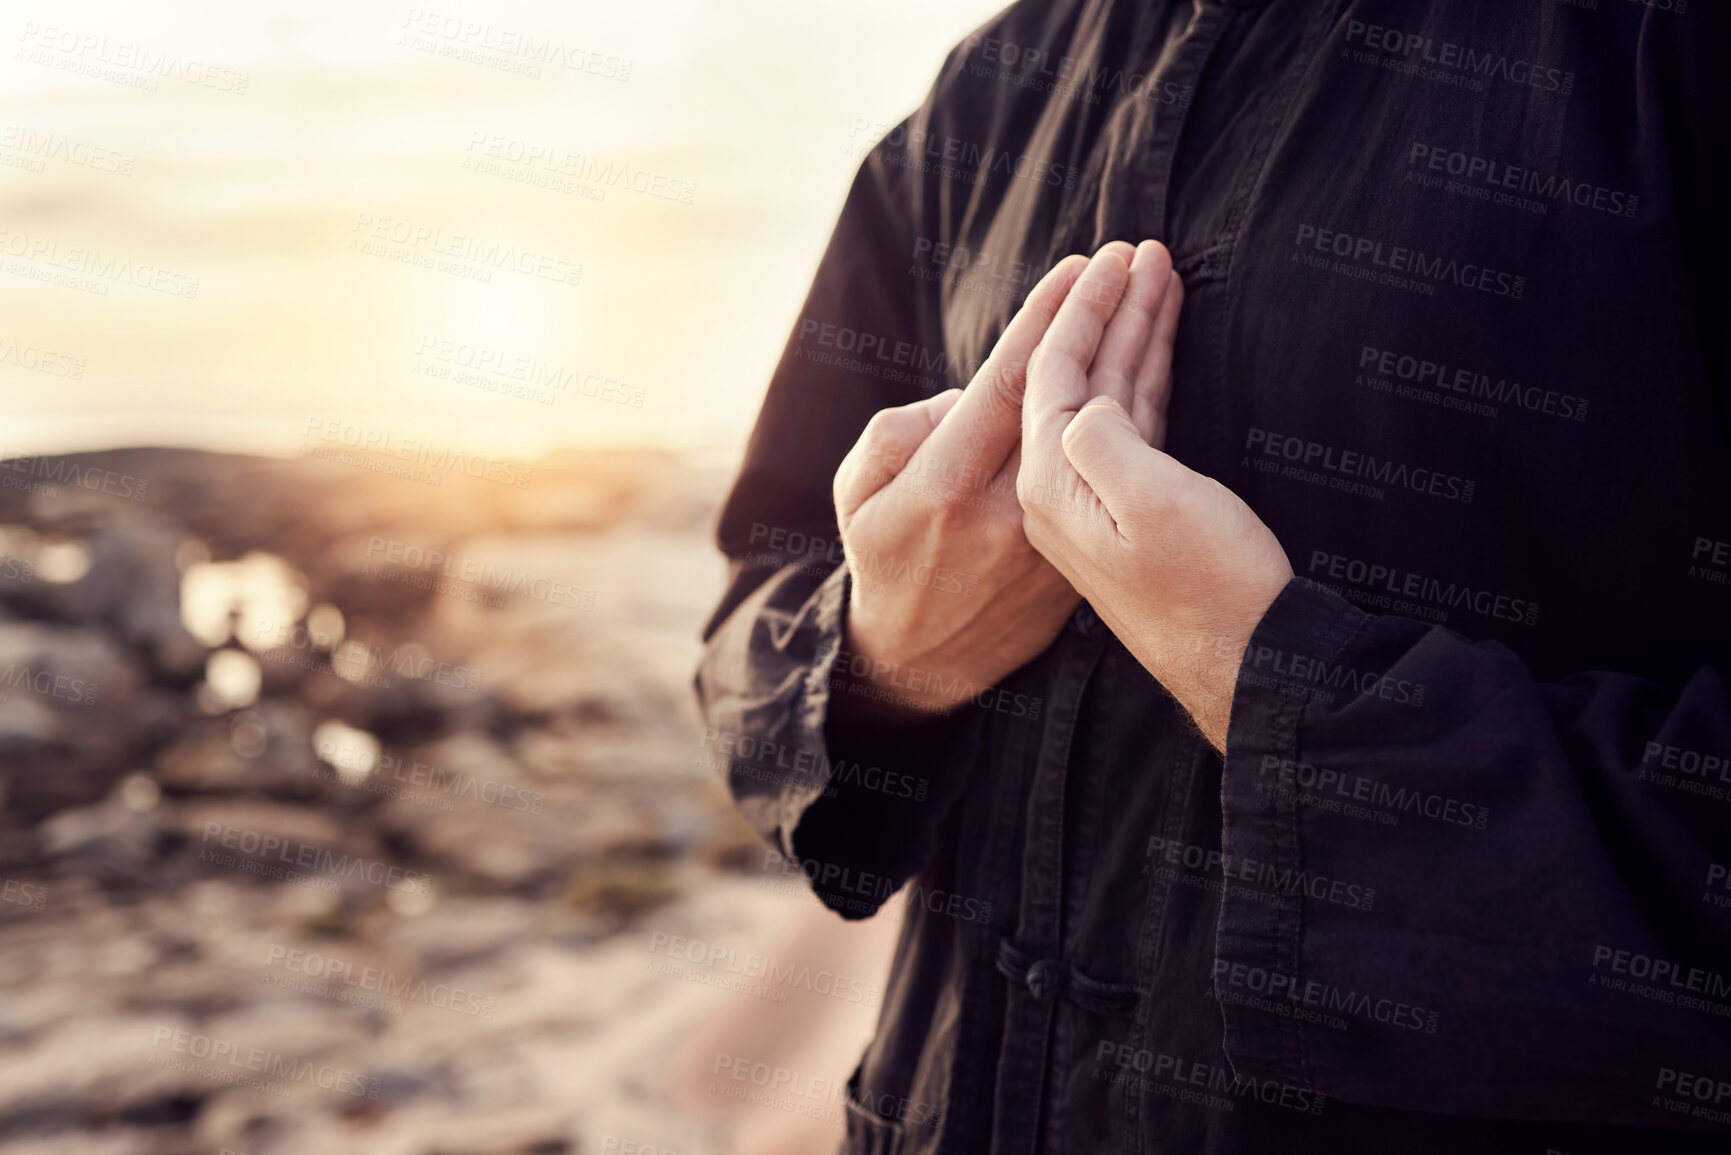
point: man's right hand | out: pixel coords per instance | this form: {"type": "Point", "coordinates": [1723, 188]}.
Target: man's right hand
{"type": "Point", "coordinates": [947, 595]}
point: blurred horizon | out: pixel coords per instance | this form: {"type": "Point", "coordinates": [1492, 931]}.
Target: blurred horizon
{"type": "Point", "coordinates": [215, 226]}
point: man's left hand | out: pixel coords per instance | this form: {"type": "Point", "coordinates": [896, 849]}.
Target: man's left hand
{"type": "Point", "coordinates": [1174, 563]}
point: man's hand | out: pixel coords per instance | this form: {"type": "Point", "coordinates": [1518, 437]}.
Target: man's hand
{"type": "Point", "coordinates": [1174, 563]}
{"type": "Point", "coordinates": [948, 596]}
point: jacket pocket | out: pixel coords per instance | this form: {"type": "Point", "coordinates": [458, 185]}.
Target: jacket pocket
{"type": "Point", "coordinates": [869, 1133]}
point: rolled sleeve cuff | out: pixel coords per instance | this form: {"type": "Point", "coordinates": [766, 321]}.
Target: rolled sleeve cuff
{"type": "Point", "coordinates": [856, 808]}
{"type": "Point", "coordinates": [1258, 971]}
{"type": "Point", "coordinates": [826, 621]}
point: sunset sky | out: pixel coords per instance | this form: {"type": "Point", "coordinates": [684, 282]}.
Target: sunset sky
{"type": "Point", "coordinates": [216, 219]}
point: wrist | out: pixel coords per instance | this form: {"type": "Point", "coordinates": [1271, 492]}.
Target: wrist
{"type": "Point", "coordinates": [1198, 663]}
{"type": "Point", "coordinates": [869, 685]}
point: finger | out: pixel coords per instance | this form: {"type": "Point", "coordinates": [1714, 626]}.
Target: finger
{"type": "Point", "coordinates": [1114, 371]}
{"type": "Point", "coordinates": [1058, 367]}
{"type": "Point", "coordinates": [987, 422]}
{"type": "Point", "coordinates": [1153, 392]}
{"type": "Point", "coordinates": [890, 439]}
{"type": "Point", "coordinates": [1107, 451]}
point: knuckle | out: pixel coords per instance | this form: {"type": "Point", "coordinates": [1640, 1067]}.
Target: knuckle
{"type": "Point", "coordinates": [1099, 295]}
{"type": "Point", "coordinates": [880, 438]}
{"type": "Point", "coordinates": [878, 428]}
{"type": "Point", "coordinates": [1034, 533]}
{"type": "Point", "coordinates": [1031, 495]}
{"type": "Point", "coordinates": [948, 513]}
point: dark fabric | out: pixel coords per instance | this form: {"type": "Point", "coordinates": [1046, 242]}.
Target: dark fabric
{"type": "Point", "coordinates": [1455, 328]}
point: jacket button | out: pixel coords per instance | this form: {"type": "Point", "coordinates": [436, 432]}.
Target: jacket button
{"type": "Point", "coordinates": [1045, 979]}
{"type": "Point", "coordinates": [1085, 620]}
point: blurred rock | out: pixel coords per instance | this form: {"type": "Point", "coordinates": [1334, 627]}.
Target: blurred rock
{"type": "Point", "coordinates": [267, 748]}
{"type": "Point", "coordinates": [557, 803]}
{"type": "Point", "coordinates": [133, 586]}
{"type": "Point", "coordinates": [70, 715]}
{"type": "Point", "coordinates": [111, 837]}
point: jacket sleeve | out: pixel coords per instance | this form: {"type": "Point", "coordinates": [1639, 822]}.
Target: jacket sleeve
{"type": "Point", "coordinates": [1547, 929]}
{"type": "Point", "coordinates": [858, 811]}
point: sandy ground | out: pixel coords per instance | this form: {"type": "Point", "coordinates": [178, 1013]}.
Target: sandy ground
{"type": "Point", "coordinates": [531, 981]}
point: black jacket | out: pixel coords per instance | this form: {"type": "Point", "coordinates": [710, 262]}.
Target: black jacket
{"type": "Point", "coordinates": [1456, 328]}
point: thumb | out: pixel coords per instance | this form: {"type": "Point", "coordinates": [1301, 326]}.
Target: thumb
{"type": "Point", "coordinates": [1107, 450]}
